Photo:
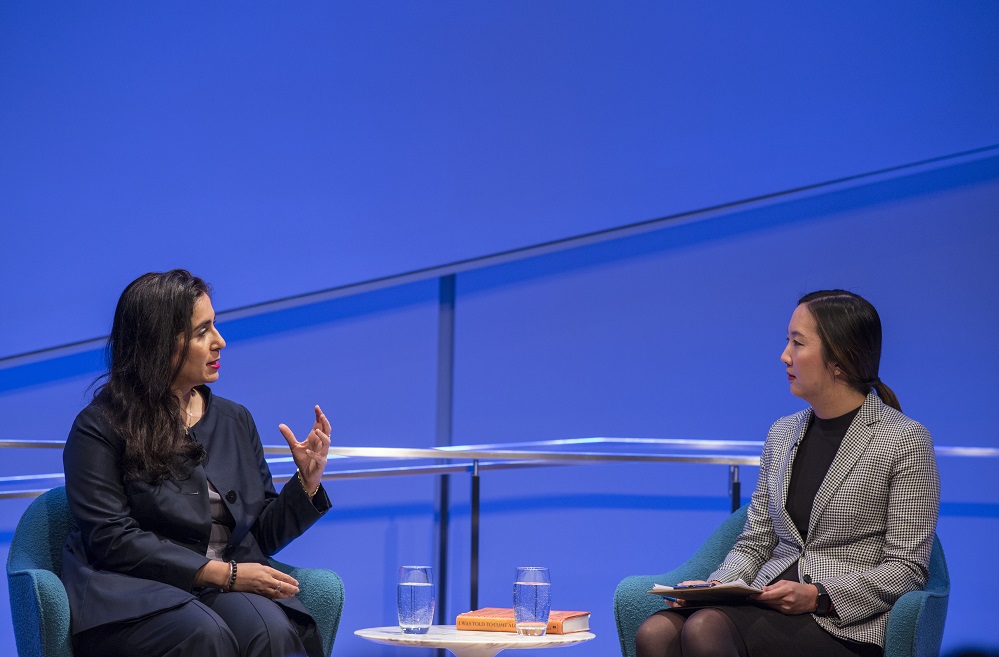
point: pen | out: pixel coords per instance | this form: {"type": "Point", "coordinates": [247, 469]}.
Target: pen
{"type": "Point", "coordinates": [694, 586]}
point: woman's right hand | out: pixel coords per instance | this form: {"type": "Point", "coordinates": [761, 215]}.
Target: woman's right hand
{"type": "Point", "coordinates": [264, 580]}
{"type": "Point", "coordinates": [250, 577]}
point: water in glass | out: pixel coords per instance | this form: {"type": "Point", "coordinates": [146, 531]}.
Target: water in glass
{"type": "Point", "coordinates": [532, 600]}
{"type": "Point", "coordinates": [416, 599]}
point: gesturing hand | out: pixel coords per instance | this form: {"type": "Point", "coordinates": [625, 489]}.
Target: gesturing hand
{"type": "Point", "coordinates": [310, 454]}
{"type": "Point", "coordinates": [264, 580]}
{"type": "Point", "coordinates": [789, 597]}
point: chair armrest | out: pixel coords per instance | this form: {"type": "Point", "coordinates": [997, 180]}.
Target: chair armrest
{"type": "Point", "coordinates": [40, 613]}
{"type": "Point", "coordinates": [321, 591]}
{"type": "Point", "coordinates": [915, 625]}
{"type": "Point", "coordinates": [632, 605]}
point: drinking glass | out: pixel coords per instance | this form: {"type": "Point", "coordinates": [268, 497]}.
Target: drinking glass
{"type": "Point", "coordinates": [532, 600]}
{"type": "Point", "coordinates": [416, 599]}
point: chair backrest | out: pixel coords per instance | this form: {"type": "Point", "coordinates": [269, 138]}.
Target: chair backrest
{"type": "Point", "coordinates": [41, 533]}
{"type": "Point", "coordinates": [939, 581]}
{"type": "Point", "coordinates": [712, 552]}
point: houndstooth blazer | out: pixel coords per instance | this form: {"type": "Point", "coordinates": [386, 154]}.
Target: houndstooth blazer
{"type": "Point", "coordinates": [872, 523]}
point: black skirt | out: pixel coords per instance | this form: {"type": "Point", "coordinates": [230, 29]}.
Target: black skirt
{"type": "Point", "coordinates": [769, 633]}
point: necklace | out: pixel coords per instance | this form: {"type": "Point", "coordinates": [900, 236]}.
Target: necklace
{"type": "Point", "coordinates": [187, 409]}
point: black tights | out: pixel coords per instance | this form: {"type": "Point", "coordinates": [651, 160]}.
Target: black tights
{"type": "Point", "coordinates": [705, 633]}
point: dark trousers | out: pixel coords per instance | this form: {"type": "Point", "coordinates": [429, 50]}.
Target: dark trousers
{"type": "Point", "coordinates": [216, 625]}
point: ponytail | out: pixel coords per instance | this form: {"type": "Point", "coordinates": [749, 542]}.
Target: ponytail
{"type": "Point", "coordinates": [886, 394]}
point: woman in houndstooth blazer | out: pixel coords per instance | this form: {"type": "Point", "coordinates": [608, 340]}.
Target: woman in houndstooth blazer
{"type": "Point", "coordinates": [842, 520]}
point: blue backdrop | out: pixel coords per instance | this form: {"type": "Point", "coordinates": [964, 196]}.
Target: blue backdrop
{"type": "Point", "coordinates": [279, 151]}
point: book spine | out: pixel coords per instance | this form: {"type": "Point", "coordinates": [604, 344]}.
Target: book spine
{"type": "Point", "coordinates": [499, 625]}
{"type": "Point", "coordinates": [486, 624]}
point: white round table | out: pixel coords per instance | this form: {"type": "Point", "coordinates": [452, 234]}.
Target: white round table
{"type": "Point", "coordinates": [469, 643]}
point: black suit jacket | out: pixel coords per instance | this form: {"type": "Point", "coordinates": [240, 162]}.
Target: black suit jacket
{"type": "Point", "coordinates": [139, 546]}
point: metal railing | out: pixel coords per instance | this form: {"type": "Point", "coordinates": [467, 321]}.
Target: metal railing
{"type": "Point", "coordinates": [495, 456]}
{"type": "Point", "coordinates": [476, 459]}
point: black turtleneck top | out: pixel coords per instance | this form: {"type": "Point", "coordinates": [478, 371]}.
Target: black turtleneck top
{"type": "Point", "coordinates": [815, 454]}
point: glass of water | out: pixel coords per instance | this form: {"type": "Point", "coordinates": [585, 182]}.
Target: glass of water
{"type": "Point", "coordinates": [532, 600]}
{"type": "Point", "coordinates": [416, 599]}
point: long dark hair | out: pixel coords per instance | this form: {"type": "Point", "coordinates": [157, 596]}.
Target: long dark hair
{"type": "Point", "coordinates": [850, 330]}
{"type": "Point", "coordinates": [144, 356]}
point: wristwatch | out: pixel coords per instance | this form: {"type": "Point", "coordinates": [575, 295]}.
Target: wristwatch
{"type": "Point", "coordinates": [823, 603]}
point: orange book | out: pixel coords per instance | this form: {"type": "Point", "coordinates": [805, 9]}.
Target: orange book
{"type": "Point", "coordinates": [500, 619]}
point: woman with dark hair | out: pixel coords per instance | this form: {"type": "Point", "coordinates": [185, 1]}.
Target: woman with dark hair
{"type": "Point", "coordinates": [842, 520]}
{"type": "Point", "coordinates": [173, 500]}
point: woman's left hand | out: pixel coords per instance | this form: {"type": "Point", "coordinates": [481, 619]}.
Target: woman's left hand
{"type": "Point", "coordinates": [310, 454]}
{"type": "Point", "coordinates": [789, 597]}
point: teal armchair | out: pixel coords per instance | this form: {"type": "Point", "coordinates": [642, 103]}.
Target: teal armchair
{"type": "Point", "coordinates": [38, 603]}
{"type": "Point", "coordinates": [915, 623]}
